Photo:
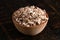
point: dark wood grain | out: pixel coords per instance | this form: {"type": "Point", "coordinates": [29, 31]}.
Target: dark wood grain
{"type": "Point", "coordinates": [8, 30]}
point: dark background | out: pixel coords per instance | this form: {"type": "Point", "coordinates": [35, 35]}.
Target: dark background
{"type": "Point", "coordinates": [9, 32]}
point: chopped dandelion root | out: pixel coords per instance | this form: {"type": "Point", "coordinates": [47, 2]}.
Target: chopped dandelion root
{"type": "Point", "coordinates": [30, 16]}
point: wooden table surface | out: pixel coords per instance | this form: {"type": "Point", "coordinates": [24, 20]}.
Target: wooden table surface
{"type": "Point", "coordinates": [8, 30]}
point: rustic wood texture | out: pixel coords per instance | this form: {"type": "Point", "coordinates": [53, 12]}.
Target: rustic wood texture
{"type": "Point", "coordinates": [8, 30]}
